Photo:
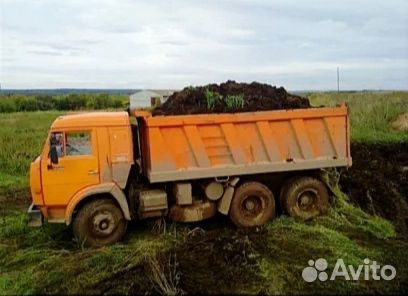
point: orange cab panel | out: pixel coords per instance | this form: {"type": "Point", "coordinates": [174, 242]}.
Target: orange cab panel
{"type": "Point", "coordinates": [77, 167]}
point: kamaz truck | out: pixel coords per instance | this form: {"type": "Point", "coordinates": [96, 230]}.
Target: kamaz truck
{"type": "Point", "coordinates": [99, 170]}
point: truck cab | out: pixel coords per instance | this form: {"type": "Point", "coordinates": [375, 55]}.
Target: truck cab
{"type": "Point", "coordinates": [85, 155]}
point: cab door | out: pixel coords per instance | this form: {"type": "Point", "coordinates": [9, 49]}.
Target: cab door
{"type": "Point", "coordinates": [77, 167]}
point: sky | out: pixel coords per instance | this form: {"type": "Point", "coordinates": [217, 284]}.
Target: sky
{"type": "Point", "coordinates": [173, 44]}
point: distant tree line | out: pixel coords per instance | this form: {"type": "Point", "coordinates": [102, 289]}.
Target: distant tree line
{"type": "Point", "coordinates": [67, 91]}
{"type": "Point", "coordinates": [18, 103]}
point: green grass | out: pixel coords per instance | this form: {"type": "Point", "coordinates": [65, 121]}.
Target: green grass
{"type": "Point", "coordinates": [47, 260]}
{"type": "Point", "coordinates": [212, 98]}
{"type": "Point", "coordinates": [234, 101]}
{"type": "Point", "coordinates": [22, 137]}
{"type": "Point", "coordinates": [343, 233]}
{"type": "Point", "coordinates": [230, 101]}
{"type": "Point", "coordinates": [371, 114]}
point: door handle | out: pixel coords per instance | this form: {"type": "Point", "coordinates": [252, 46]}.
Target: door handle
{"type": "Point", "coordinates": [93, 172]}
{"type": "Point", "coordinates": [53, 167]}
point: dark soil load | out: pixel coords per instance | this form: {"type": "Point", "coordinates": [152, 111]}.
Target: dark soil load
{"type": "Point", "coordinates": [378, 181]}
{"type": "Point", "coordinates": [230, 97]}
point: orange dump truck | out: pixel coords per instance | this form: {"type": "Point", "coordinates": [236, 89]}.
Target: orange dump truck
{"type": "Point", "coordinates": [99, 170]}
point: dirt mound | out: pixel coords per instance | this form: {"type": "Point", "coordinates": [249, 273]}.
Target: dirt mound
{"type": "Point", "coordinates": [230, 97]}
{"type": "Point", "coordinates": [378, 182]}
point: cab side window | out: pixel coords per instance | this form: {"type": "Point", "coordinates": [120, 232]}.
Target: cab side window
{"type": "Point", "coordinates": [57, 140]}
{"type": "Point", "coordinates": [78, 143]}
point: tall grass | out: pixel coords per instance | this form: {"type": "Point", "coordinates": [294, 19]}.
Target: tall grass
{"type": "Point", "coordinates": [371, 114]}
{"type": "Point", "coordinates": [164, 275]}
{"type": "Point", "coordinates": [22, 137]}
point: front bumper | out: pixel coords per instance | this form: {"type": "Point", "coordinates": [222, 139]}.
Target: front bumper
{"type": "Point", "coordinates": [35, 218]}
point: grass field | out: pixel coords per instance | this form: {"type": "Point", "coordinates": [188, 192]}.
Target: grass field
{"type": "Point", "coordinates": [371, 114]}
{"type": "Point", "coordinates": [175, 258]}
{"type": "Point", "coordinates": [22, 136]}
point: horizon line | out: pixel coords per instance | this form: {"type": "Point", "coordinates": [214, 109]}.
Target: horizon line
{"type": "Point", "coordinates": [177, 89]}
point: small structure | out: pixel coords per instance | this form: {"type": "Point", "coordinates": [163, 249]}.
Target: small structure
{"type": "Point", "coordinates": [149, 98]}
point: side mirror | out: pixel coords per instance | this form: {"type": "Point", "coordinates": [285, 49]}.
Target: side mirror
{"type": "Point", "coordinates": [54, 154]}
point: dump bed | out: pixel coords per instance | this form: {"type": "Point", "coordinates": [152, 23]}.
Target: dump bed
{"type": "Point", "coordinates": [215, 145]}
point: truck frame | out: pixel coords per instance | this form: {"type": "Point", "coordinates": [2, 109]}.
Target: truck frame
{"type": "Point", "coordinates": [99, 170]}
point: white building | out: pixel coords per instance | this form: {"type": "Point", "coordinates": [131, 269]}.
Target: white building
{"type": "Point", "coordinates": [146, 98]}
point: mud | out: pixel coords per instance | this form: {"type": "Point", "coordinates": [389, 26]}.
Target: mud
{"type": "Point", "coordinates": [223, 257]}
{"type": "Point", "coordinates": [378, 182]}
{"type": "Point", "coordinates": [219, 255]}
{"type": "Point", "coordinates": [256, 97]}
{"type": "Point", "coordinates": [14, 199]}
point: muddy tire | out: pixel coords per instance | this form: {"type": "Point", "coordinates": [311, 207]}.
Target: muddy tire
{"type": "Point", "coordinates": [99, 223]}
{"type": "Point", "coordinates": [253, 205]}
{"type": "Point", "coordinates": [304, 198]}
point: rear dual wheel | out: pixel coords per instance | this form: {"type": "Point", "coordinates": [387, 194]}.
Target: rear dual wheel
{"type": "Point", "coordinates": [304, 198]}
{"type": "Point", "coordinates": [253, 204]}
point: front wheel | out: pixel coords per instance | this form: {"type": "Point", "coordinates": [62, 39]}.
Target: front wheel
{"type": "Point", "coordinates": [99, 223]}
{"type": "Point", "coordinates": [304, 198]}
{"type": "Point", "coordinates": [253, 204]}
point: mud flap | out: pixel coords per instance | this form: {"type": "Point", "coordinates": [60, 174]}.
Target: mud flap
{"type": "Point", "coordinates": [35, 218]}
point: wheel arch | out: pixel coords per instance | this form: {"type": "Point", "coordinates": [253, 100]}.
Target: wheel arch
{"type": "Point", "coordinates": [107, 190]}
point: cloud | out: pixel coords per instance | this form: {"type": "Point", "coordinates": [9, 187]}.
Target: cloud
{"type": "Point", "coordinates": [170, 44]}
